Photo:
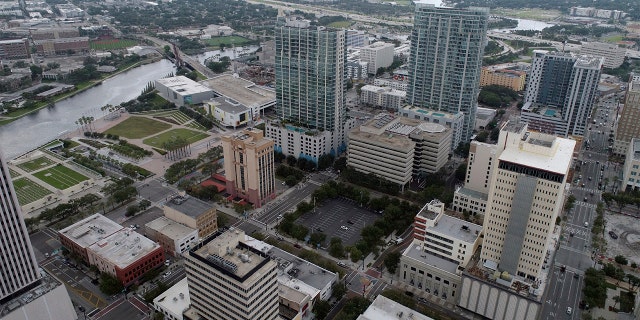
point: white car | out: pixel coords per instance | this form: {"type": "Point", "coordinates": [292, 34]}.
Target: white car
{"type": "Point", "coordinates": [569, 310]}
{"type": "Point", "coordinates": [344, 227]}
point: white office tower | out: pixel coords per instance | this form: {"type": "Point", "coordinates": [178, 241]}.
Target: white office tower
{"type": "Point", "coordinates": [526, 194]}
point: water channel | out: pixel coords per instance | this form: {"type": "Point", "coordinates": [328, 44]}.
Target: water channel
{"type": "Point", "coordinates": [526, 24]}
{"type": "Point", "coordinates": [46, 124]}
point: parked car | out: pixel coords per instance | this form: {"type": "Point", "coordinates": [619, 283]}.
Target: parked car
{"type": "Point", "coordinates": [613, 235]}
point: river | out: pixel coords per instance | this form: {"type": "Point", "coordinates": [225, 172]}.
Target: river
{"type": "Point", "coordinates": [40, 127]}
{"type": "Point", "coordinates": [228, 52]}
{"type": "Point", "coordinates": [526, 24]}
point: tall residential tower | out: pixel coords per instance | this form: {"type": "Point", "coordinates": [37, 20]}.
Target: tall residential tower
{"type": "Point", "coordinates": [447, 46]}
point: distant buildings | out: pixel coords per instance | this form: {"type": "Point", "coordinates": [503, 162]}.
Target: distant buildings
{"type": "Point", "coordinates": [357, 38]}
{"type": "Point", "coordinates": [612, 53]}
{"type": "Point", "coordinates": [561, 92]}
{"type": "Point", "coordinates": [377, 55]}
{"type": "Point", "coordinates": [249, 166]}
{"type": "Point", "coordinates": [173, 302]}
{"type": "Point", "coordinates": [395, 148]}
{"type": "Point", "coordinates": [382, 97]}
{"type": "Point", "coordinates": [628, 122]}
{"type": "Point", "coordinates": [54, 33]}
{"type": "Point", "coordinates": [391, 83]}
{"type": "Point", "coordinates": [596, 13]}
{"type": "Point", "coordinates": [193, 213]}
{"type": "Point", "coordinates": [183, 91]}
{"type": "Point", "coordinates": [631, 171]}
{"type": "Point", "coordinates": [503, 76]}
{"type": "Point", "coordinates": [229, 279]}
{"type": "Point", "coordinates": [14, 49]}
{"type": "Point", "coordinates": [446, 56]}
{"type": "Point", "coordinates": [50, 47]}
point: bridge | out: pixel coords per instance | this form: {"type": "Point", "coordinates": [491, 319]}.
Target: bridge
{"type": "Point", "coordinates": [191, 62]}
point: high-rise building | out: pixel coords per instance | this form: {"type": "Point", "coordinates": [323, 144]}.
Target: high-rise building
{"type": "Point", "coordinates": [229, 279]}
{"type": "Point", "coordinates": [311, 81]}
{"type": "Point", "coordinates": [249, 166]}
{"type": "Point", "coordinates": [628, 124]}
{"type": "Point", "coordinates": [377, 55]}
{"type": "Point", "coordinates": [526, 194]}
{"type": "Point", "coordinates": [447, 45]}
{"type": "Point", "coordinates": [19, 269]}
{"type": "Point", "coordinates": [561, 92]}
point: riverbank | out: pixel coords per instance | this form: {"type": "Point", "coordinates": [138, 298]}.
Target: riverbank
{"type": "Point", "coordinates": [79, 89]}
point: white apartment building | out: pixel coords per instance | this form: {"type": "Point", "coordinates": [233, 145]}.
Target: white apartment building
{"type": "Point", "coordinates": [377, 55]}
{"type": "Point", "coordinates": [612, 53]}
{"type": "Point", "coordinates": [357, 38]}
{"type": "Point", "coordinates": [472, 197]}
{"type": "Point", "coordinates": [526, 194]}
{"type": "Point", "coordinates": [230, 280]}
{"type": "Point", "coordinates": [391, 83]}
{"type": "Point", "coordinates": [454, 121]}
{"type": "Point", "coordinates": [441, 249]}
{"type": "Point", "coordinates": [382, 97]}
{"type": "Point", "coordinates": [631, 173]}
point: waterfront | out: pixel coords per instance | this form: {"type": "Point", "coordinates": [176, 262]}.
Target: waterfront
{"type": "Point", "coordinates": [526, 24]}
{"type": "Point", "coordinates": [40, 127]}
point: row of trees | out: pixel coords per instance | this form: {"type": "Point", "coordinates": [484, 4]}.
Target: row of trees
{"type": "Point", "coordinates": [198, 117]}
{"type": "Point", "coordinates": [622, 199]}
{"type": "Point", "coordinates": [63, 210]}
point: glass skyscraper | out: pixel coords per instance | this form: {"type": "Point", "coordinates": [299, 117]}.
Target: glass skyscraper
{"type": "Point", "coordinates": [447, 46]}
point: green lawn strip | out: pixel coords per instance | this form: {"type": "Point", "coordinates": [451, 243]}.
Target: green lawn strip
{"type": "Point", "coordinates": [28, 191]}
{"type": "Point", "coordinates": [60, 177]}
{"type": "Point", "coordinates": [181, 117]}
{"type": "Point", "coordinates": [138, 127]}
{"type": "Point", "coordinates": [118, 44]}
{"type": "Point", "coordinates": [13, 173]}
{"type": "Point", "coordinates": [36, 164]}
{"type": "Point", "coordinates": [194, 124]}
{"type": "Point", "coordinates": [159, 140]}
{"type": "Point", "coordinates": [227, 40]}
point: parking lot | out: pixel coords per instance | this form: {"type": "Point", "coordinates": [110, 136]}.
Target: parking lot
{"type": "Point", "coordinates": [140, 219]}
{"type": "Point", "coordinates": [340, 218]}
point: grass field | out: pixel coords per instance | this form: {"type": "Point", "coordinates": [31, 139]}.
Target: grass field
{"type": "Point", "coordinates": [112, 44]}
{"type": "Point", "coordinates": [29, 191]}
{"type": "Point", "coordinates": [614, 39]}
{"type": "Point", "coordinates": [36, 164]}
{"type": "Point", "coordinates": [60, 177]}
{"type": "Point", "coordinates": [340, 24]}
{"type": "Point", "coordinates": [190, 135]}
{"type": "Point", "coordinates": [13, 173]}
{"type": "Point", "coordinates": [138, 127]}
{"type": "Point", "coordinates": [227, 40]}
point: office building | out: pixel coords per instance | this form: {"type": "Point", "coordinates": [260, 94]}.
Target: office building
{"type": "Point", "coordinates": [228, 112]}
{"type": "Point", "coordinates": [14, 49]}
{"type": "Point", "coordinates": [173, 302]}
{"type": "Point", "coordinates": [183, 91]}
{"type": "Point", "coordinates": [385, 308]}
{"type": "Point", "coordinates": [503, 76]}
{"type": "Point", "coordinates": [19, 270]}
{"type": "Point", "coordinates": [395, 148]}
{"type": "Point", "coordinates": [381, 97]}
{"type": "Point", "coordinates": [357, 38]}
{"type": "Point", "coordinates": [526, 194]}
{"type": "Point", "coordinates": [54, 33]}
{"type": "Point", "coordinates": [472, 197]}
{"type": "Point", "coordinates": [561, 92]}
{"type": "Point", "coordinates": [193, 213]}
{"type": "Point", "coordinates": [453, 121]}
{"type": "Point", "coordinates": [441, 249]}
{"type": "Point", "coordinates": [612, 53]}
{"type": "Point", "coordinates": [78, 237]}
{"type": "Point", "coordinates": [249, 166]}
{"type": "Point", "coordinates": [229, 279]}
{"type": "Point", "coordinates": [377, 55]}
{"type": "Point", "coordinates": [62, 46]}
{"type": "Point", "coordinates": [311, 79]}
{"type": "Point", "coordinates": [175, 238]}
{"type": "Point", "coordinates": [628, 127]}
{"type": "Point", "coordinates": [447, 46]}
{"type": "Point", "coordinates": [631, 170]}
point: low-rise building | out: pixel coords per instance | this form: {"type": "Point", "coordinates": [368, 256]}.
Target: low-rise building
{"type": "Point", "coordinates": [175, 238]}
{"type": "Point", "coordinates": [385, 308]}
{"type": "Point", "coordinates": [547, 119]}
{"type": "Point", "coordinates": [244, 92]}
{"type": "Point", "coordinates": [14, 49]}
{"type": "Point", "coordinates": [54, 33]}
{"type": "Point", "coordinates": [193, 213]}
{"type": "Point", "coordinates": [183, 91]}
{"type": "Point", "coordinates": [382, 97]}
{"type": "Point", "coordinates": [81, 235]}
{"type": "Point", "coordinates": [392, 83]}
{"type": "Point", "coordinates": [631, 173]}
{"type": "Point", "coordinates": [228, 112]}
{"type": "Point", "coordinates": [454, 121]}
{"type": "Point", "coordinates": [503, 76]}
{"type": "Point", "coordinates": [484, 116]}
{"type": "Point", "coordinates": [612, 53]}
{"type": "Point", "coordinates": [50, 47]}
{"type": "Point", "coordinates": [173, 302]}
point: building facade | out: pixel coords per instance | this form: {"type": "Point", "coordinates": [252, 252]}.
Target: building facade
{"type": "Point", "coordinates": [175, 238]}
{"type": "Point", "coordinates": [14, 49]}
{"type": "Point", "coordinates": [472, 197]}
{"type": "Point", "coordinates": [512, 79]}
{"type": "Point", "coordinates": [249, 166]}
{"type": "Point", "coordinates": [631, 171]}
{"type": "Point", "coordinates": [193, 213]}
{"type": "Point", "coordinates": [183, 91]}
{"type": "Point", "coordinates": [612, 53]}
{"type": "Point", "coordinates": [228, 112]}
{"type": "Point", "coordinates": [526, 194]}
{"type": "Point", "coordinates": [230, 280]}
{"type": "Point", "coordinates": [50, 47]}
{"type": "Point", "coordinates": [19, 270]}
{"type": "Point", "coordinates": [628, 127]}
{"type": "Point", "coordinates": [382, 97]}
{"type": "Point", "coordinates": [377, 55]}
{"type": "Point", "coordinates": [357, 38]}
{"type": "Point", "coordinates": [452, 40]}
{"type": "Point", "coordinates": [454, 121]}
{"type": "Point", "coordinates": [392, 83]}
{"type": "Point", "coordinates": [78, 237]}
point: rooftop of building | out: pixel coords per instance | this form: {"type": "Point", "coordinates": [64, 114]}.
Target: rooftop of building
{"type": "Point", "coordinates": [124, 247]}
{"type": "Point", "coordinates": [183, 85]}
{"type": "Point", "coordinates": [415, 251]}
{"type": "Point", "coordinates": [228, 252]}
{"type": "Point", "coordinates": [176, 299]}
{"type": "Point", "coordinates": [291, 294]}
{"type": "Point", "coordinates": [431, 210]}
{"type": "Point", "coordinates": [485, 113]}
{"type": "Point", "coordinates": [434, 113]}
{"type": "Point", "coordinates": [588, 61]}
{"type": "Point", "coordinates": [47, 284]}
{"type": "Point", "coordinates": [634, 86]}
{"type": "Point", "coordinates": [13, 41]}
{"type": "Point", "coordinates": [472, 193]}
{"type": "Point", "coordinates": [543, 110]}
{"type": "Point", "coordinates": [250, 136]}
{"type": "Point", "coordinates": [385, 123]}
{"type": "Point", "coordinates": [386, 90]}
{"type": "Point", "coordinates": [188, 205]}
{"type": "Point", "coordinates": [295, 271]}
{"type": "Point", "coordinates": [243, 91]}
{"type": "Point", "coordinates": [455, 228]}
{"type": "Point", "coordinates": [509, 67]}
{"type": "Point", "coordinates": [229, 105]}
{"type": "Point", "coordinates": [542, 151]}
{"type": "Point", "coordinates": [90, 230]}
{"type": "Point", "coordinates": [385, 308]}
{"type": "Point", "coordinates": [170, 228]}
{"type": "Point", "coordinates": [378, 45]}
{"type": "Point", "coordinates": [61, 40]}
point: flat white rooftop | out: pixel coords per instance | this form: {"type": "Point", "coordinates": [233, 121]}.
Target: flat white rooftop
{"type": "Point", "coordinates": [542, 151]}
{"type": "Point", "coordinates": [170, 228]}
{"type": "Point", "coordinates": [176, 299]}
{"type": "Point", "coordinates": [90, 230]}
{"type": "Point", "coordinates": [385, 308]}
{"type": "Point", "coordinates": [124, 247]}
{"type": "Point", "coordinates": [241, 90]}
{"type": "Point", "coordinates": [457, 229]}
{"type": "Point", "coordinates": [183, 85]}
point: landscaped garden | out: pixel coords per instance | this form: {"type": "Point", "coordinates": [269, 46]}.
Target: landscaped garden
{"type": "Point", "coordinates": [138, 127]}
{"type": "Point", "coordinates": [160, 140]}
{"type": "Point", "coordinates": [28, 191]}
{"type": "Point", "coordinates": [60, 177]}
{"type": "Point", "coordinates": [36, 164]}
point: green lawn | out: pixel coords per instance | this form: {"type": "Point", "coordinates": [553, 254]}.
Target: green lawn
{"type": "Point", "coordinates": [340, 24]}
{"type": "Point", "coordinates": [138, 127]}
{"type": "Point", "coordinates": [60, 177]}
{"type": "Point", "coordinates": [227, 40]}
{"type": "Point", "coordinates": [112, 44]}
{"type": "Point", "coordinates": [614, 39]}
{"type": "Point", "coordinates": [36, 164]}
{"type": "Point", "coordinates": [190, 135]}
{"type": "Point", "coordinates": [29, 191]}
{"type": "Point", "coordinates": [13, 173]}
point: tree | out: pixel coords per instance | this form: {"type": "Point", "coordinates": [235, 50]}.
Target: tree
{"type": "Point", "coordinates": [109, 284]}
{"type": "Point", "coordinates": [461, 172]}
{"type": "Point", "coordinates": [335, 248]}
{"type": "Point", "coordinates": [482, 136]}
{"type": "Point", "coordinates": [462, 150]}
{"type": "Point", "coordinates": [131, 211]}
{"type": "Point", "coordinates": [620, 259]}
{"type": "Point", "coordinates": [391, 261]}
{"type": "Point", "coordinates": [321, 309]}
{"type": "Point", "coordinates": [570, 202]}
{"type": "Point", "coordinates": [595, 289]}
{"type": "Point", "coordinates": [317, 238]}
{"type": "Point", "coordinates": [633, 281]}
{"type": "Point", "coordinates": [355, 254]}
